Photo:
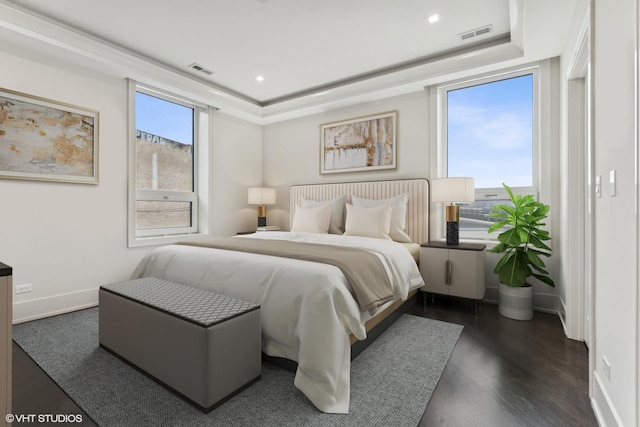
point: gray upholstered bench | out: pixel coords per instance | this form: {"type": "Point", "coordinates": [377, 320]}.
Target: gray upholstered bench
{"type": "Point", "coordinates": [203, 345]}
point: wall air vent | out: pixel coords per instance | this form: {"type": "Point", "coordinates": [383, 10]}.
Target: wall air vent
{"type": "Point", "coordinates": [200, 68]}
{"type": "Point", "coordinates": [475, 33]}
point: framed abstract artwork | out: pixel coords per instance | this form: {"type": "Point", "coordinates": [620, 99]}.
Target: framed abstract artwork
{"type": "Point", "coordinates": [360, 144]}
{"type": "Point", "coordinates": [47, 140]}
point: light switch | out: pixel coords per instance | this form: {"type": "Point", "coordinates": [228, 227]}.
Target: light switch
{"type": "Point", "coordinates": [598, 189]}
{"type": "Point", "coordinates": [612, 182]}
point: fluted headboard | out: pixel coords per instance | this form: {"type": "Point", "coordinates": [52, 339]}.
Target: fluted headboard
{"type": "Point", "coordinates": [417, 209]}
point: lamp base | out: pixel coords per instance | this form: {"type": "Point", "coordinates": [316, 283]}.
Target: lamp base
{"type": "Point", "coordinates": [453, 216]}
{"type": "Point", "coordinates": [453, 213]}
{"type": "Point", "coordinates": [262, 216]}
{"type": "Point", "coordinates": [453, 237]}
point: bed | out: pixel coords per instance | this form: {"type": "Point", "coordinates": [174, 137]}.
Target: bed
{"type": "Point", "coordinates": [311, 312]}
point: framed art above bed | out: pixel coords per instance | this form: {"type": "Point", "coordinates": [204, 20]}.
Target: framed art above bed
{"type": "Point", "coordinates": [360, 144]}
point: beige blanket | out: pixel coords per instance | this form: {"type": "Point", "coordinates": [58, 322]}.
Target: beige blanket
{"type": "Point", "coordinates": [370, 284]}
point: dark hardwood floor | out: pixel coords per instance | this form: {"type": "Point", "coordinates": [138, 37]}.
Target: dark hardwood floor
{"type": "Point", "coordinates": [502, 373]}
{"type": "Point", "coordinates": [35, 393]}
{"type": "Point", "coordinates": [508, 373]}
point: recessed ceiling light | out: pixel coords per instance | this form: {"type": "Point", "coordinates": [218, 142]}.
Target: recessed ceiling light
{"type": "Point", "coordinates": [434, 18]}
{"type": "Point", "coordinates": [260, 78]}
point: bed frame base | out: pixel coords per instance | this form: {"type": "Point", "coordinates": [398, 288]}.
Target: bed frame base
{"type": "Point", "coordinates": [375, 328]}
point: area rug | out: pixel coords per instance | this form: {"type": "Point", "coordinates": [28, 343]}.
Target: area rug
{"type": "Point", "coordinates": [391, 381]}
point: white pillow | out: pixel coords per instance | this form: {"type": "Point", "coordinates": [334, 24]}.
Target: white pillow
{"type": "Point", "coordinates": [398, 230]}
{"type": "Point", "coordinates": [337, 211]}
{"type": "Point", "coordinates": [312, 220]}
{"type": "Point", "coordinates": [368, 222]}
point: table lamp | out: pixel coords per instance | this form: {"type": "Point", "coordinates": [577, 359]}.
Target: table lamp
{"type": "Point", "coordinates": [453, 190]}
{"type": "Point", "coordinates": [262, 197]}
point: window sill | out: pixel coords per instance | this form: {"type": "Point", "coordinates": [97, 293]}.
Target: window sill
{"type": "Point", "coordinates": [138, 242]}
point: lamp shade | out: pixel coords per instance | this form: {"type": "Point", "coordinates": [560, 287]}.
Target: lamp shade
{"type": "Point", "coordinates": [262, 196]}
{"type": "Point", "coordinates": [453, 190]}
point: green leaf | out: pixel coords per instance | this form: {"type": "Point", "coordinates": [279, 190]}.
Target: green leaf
{"type": "Point", "coordinates": [540, 270]}
{"type": "Point", "coordinates": [496, 226]}
{"type": "Point", "coordinates": [500, 265]}
{"type": "Point", "coordinates": [523, 235]}
{"type": "Point", "coordinates": [499, 248]}
{"type": "Point", "coordinates": [506, 187]}
{"type": "Point", "coordinates": [534, 259]}
{"type": "Point", "coordinates": [542, 234]}
{"type": "Point", "coordinates": [545, 279]}
{"type": "Point", "coordinates": [513, 271]}
{"type": "Point", "coordinates": [537, 252]}
{"type": "Point", "coordinates": [536, 242]}
{"type": "Point", "coordinates": [501, 207]}
{"type": "Point", "coordinates": [510, 210]}
{"type": "Point", "coordinates": [511, 237]}
{"type": "Point", "coordinates": [542, 210]}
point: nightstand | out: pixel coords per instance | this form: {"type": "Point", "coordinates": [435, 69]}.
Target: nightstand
{"type": "Point", "coordinates": [457, 270]}
{"type": "Point", "coordinates": [260, 229]}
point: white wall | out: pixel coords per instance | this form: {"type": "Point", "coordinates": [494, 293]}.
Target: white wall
{"type": "Point", "coordinates": [68, 239]}
{"type": "Point", "coordinates": [237, 165]}
{"type": "Point", "coordinates": [616, 219]}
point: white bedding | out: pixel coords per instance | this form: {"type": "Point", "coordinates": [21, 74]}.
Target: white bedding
{"type": "Point", "coordinates": [307, 310]}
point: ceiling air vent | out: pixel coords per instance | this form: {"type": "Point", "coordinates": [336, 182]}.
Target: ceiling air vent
{"type": "Point", "coordinates": [200, 68]}
{"type": "Point", "coordinates": [475, 33]}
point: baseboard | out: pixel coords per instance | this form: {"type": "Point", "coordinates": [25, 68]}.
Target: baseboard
{"type": "Point", "coordinates": [602, 407]}
{"type": "Point", "coordinates": [34, 309]}
{"type": "Point", "coordinates": [491, 295]}
{"type": "Point", "coordinates": [545, 303]}
{"type": "Point", "coordinates": [562, 312]}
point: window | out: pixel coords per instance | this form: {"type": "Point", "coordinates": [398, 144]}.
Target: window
{"type": "Point", "coordinates": [488, 129]}
{"type": "Point", "coordinates": [163, 164]}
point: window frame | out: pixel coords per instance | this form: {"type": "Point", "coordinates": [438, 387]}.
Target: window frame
{"type": "Point", "coordinates": [154, 236]}
{"type": "Point", "coordinates": [439, 94]}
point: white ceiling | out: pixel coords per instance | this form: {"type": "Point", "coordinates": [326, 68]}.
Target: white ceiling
{"type": "Point", "coordinates": [312, 54]}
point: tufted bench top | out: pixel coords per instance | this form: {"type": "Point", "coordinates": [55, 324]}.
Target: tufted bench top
{"type": "Point", "coordinates": [195, 305]}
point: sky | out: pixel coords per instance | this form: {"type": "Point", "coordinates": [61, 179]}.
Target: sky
{"type": "Point", "coordinates": [490, 132]}
{"type": "Point", "coordinates": [164, 118]}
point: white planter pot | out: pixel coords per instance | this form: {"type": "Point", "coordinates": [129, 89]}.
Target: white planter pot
{"type": "Point", "coordinates": [515, 303]}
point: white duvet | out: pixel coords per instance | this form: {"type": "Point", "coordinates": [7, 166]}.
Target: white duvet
{"type": "Point", "coordinates": [307, 310]}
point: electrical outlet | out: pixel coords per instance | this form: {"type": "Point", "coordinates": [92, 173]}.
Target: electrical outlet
{"type": "Point", "coordinates": [606, 367]}
{"type": "Point", "coordinates": [21, 289]}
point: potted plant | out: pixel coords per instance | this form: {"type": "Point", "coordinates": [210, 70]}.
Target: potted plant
{"type": "Point", "coordinates": [522, 243]}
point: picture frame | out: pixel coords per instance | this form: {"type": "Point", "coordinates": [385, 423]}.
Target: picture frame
{"type": "Point", "coordinates": [359, 144]}
{"type": "Point", "coordinates": [46, 140]}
